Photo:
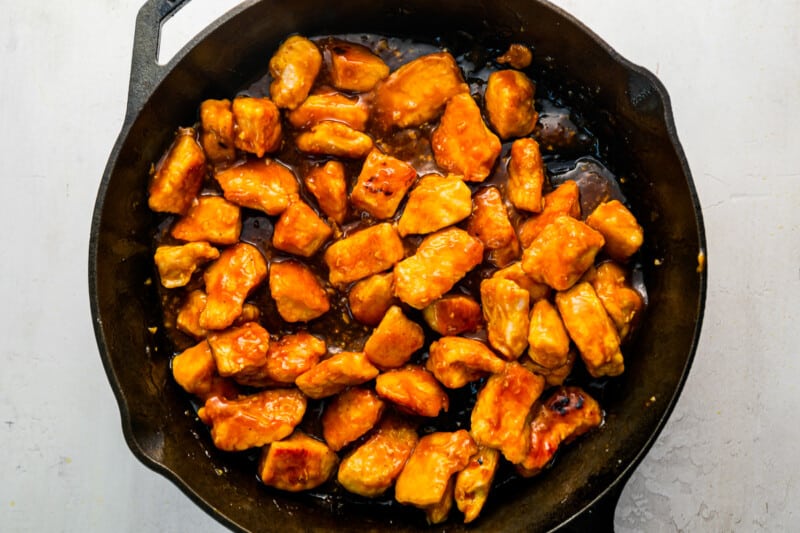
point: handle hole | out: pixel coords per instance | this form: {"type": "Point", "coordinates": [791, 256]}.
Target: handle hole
{"type": "Point", "coordinates": [190, 20]}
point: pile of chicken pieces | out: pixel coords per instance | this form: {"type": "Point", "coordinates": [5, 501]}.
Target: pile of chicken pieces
{"type": "Point", "coordinates": [548, 297]}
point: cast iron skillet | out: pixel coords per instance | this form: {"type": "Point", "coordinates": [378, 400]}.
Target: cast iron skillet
{"type": "Point", "coordinates": [625, 105]}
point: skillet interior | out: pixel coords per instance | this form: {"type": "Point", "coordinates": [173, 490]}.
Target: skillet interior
{"type": "Point", "coordinates": [626, 106]}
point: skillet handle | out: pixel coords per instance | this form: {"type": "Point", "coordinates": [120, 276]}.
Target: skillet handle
{"type": "Point", "coordinates": [146, 73]}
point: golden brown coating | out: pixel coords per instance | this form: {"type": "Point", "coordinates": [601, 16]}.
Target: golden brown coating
{"type": "Point", "coordinates": [333, 375]}
{"type": "Point", "coordinates": [254, 420]}
{"type": "Point", "coordinates": [354, 67]}
{"type": "Point", "coordinates": [500, 418]}
{"type": "Point", "coordinates": [554, 377]}
{"type": "Point", "coordinates": [438, 513]}
{"type": "Point", "coordinates": [473, 483]}
{"type": "Point", "coordinates": [293, 68]}
{"type": "Point", "coordinates": [372, 467]}
{"type": "Point", "coordinates": [435, 203]}
{"type": "Point", "coordinates": [256, 125]}
{"type": "Point", "coordinates": [329, 186]}
{"type": "Point", "coordinates": [178, 176]}
{"type": "Point", "coordinates": [462, 143]}
{"type": "Point", "coordinates": [349, 416]}
{"type": "Point", "coordinates": [562, 253]}
{"type": "Point", "coordinates": [330, 137]}
{"type": "Point", "coordinates": [176, 264]}
{"type": "Point", "coordinates": [417, 91]}
{"type": "Point", "coordinates": [526, 176]}
{"type": "Point", "coordinates": [505, 309]}
{"type": "Point", "coordinates": [489, 223]}
{"type": "Point", "coordinates": [566, 414]}
{"type": "Point", "coordinates": [414, 390]}
{"type": "Point", "coordinates": [330, 106]}
{"type": "Point", "coordinates": [194, 369]}
{"type": "Point", "coordinates": [370, 298]}
{"type": "Point", "coordinates": [394, 341]}
{"type": "Point", "coordinates": [216, 130]}
{"type": "Point", "coordinates": [622, 303]}
{"type": "Point", "coordinates": [563, 200]}
{"type": "Point", "coordinates": [229, 280]}
{"type": "Point", "coordinates": [590, 327]}
{"type": "Point", "coordinates": [212, 219]}
{"type": "Point", "coordinates": [456, 361]}
{"type": "Point", "coordinates": [441, 260]}
{"type": "Point", "coordinates": [297, 463]}
{"type": "Point", "coordinates": [292, 355]}
{"type": "Point", "coordinates": [241, 352]}
{"type": "Point", "coordinates": [514, 272]}
{"type": "Point", "coordinates": [517, 56]}
{"type": "Point", "coordinates": [382, 184]}
{"type": "Point", "coordinates": [297, 292]}
{"type": "Point", "coordinates": [265, 185]}
{"type": "Point", "coordinates": [361, 254]}
{"type": "Point", "coordinates": [453, 314]}
{"type": "Point", "coordinates": [623, 234]}
{"type": "Point", "coordinates": [188, 318]}
{"type": "Point", "coordinates": [509, 103]}
{"type": "Point", "coordinates": [548, 342]}
{"type": "Point", "coordinates": [300, 231]}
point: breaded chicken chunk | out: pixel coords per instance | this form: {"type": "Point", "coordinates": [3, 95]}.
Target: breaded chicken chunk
{"type": "Point", "coordinates": [265, 185]}
{"type": "Point", "coordinates": [178, 176]}
{"type": "Point", "coordinates": [353, 67]}
{"type": "Point", "coordinates": [548, 342]}
{"type": "Point", "coordinates": [414, 390]}
{"type": "Point", "coordinates": [350, 415]}
{"type": "Point", "coordinates": [329, 186]}
{"type": "Point", "coordinates": [195, 371]}
{"type": "Point", "coordinates": [382, 184]}
{"type": "Point", "coordinates": [370, 298]}
{"type": "Point", "coordinates": [526, 176]}
{"type": "Point", "coordinates": [505, 308]}
{"type": "Point", "coordinates": [216, 130]}
{"type": "Point", "coordinates": [300, 231]}
{"type": "Point", "coordinates": [229, 281]}
{"type": "Point", "coordinates": [395, 340]}
{"type": "Point", "coordinates": [509, 103]}
{"type": "Point", "coordinates": [292, 355]}
{"type": "Point", "coordinates": [453, 314]}
{"type": "Point", "coordinates": [333, 375]}
{"type": "Point", "coordinates": [517, 56]}
{"type": "Point", "coordinates": [563, 200]}
{"type": "Point", "coordinates": [297, 292]}
{"type": "Point", "coordinates": [363, 253]}
{"type": "Point", "coordinates": [188, 319]}
{"type": "Point", "coordinates": [297, 463]}
{"type": "Point", "coordinates": [456, 361]}
{"type": "Point", "coordinates": [256, 125]}
{"type": "Point", "coordinates": [330, 106]}
{"type": "Point", "coordinates": [176, 264]}
{"type": "Point", "coordinates": [620, 300]}
{"type": "Point", "coordinates": [514, 272]}
{"type": "Point", "coordinates": [241, 352]}
{"type": "Point", "coordinates": [435, 203]}
{"type": "Point", "coordinates": [293, 68]}
{"type": "Point", "coordinates": [330, 137]}
{"type": "Point", "coordinates": [489, 223]}
{"type": "Point", "coordinates": [473, 483]}
{"type": "Point", "coordinates": [212, 219]}
{"type": "Point", "coordinates": [623, 234]}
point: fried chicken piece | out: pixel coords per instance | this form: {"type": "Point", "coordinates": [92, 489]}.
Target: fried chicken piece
{"type": "Point", "coordinates": [349, 416]}
{"type": "Point", "coordinates": [517, 56]}
{"type": "Point", "coordinates": [212, 219]}
{"type": "Point", "coordinates": [371, 297]}
{"type": "Point", "coordinates": [435, 203]}
{"type": "Point", "coordinates": [623, 234]}
{"type": "Point", "coordinates": [416, 92]}
{"type": "Point", "coordinates": [178, 176]}
{"type": "Point", "coordinates": [414, 390]}
{"type": "Point", "coordinates": [509, 103]}
{"type": "Point", "coordinates": [297, 292]}
{"type": "Point", "coordinates": [462, 143]}
{"type": "Point", "coordinates": [254, 420]}
{"type": "Point", "coordinates": [553, 377]}
{"type": "Point", "coordinates": [361, 254]}
{"type": "Point", "coordinates": [300, 231]}
{"type": "Point", "coordinates": [622, 303]}
{"type": "Point", "coordinates": [241, 352]}
{"type": "Point", "coordinates": [229, 280]}
{"type": "Point", "coordinates": [297, 463]}
{"type": "Point", "coordinates": [548, 342]}
{"type": "Point", "coordinates": [382, 184]}
{"type": "Point", "coordinates": [441, 260]}
{"type": "Point", "coordinates": [473, 483]}
{"type": "Point", "coordinates": [176, 264]}
{"type": "Point", "coordinates": [330, 106]}
{"type": "Point", "coordinates": [489, 223]}
{"type": "Point", "coordinates": [188, 318]}
{"type": "Point", "coordinates": [438, 513]}
{"type": "Point", "coordinates": [256, 125]}
{"type": "Point", "coordinates": [354, 67]}
{"type": "Point", "coordinates": [591, 329]}
{"type": "Point", "coordinates": [514, 272]}
{"type": "Point", "coordinates": [216, 130]}
{"type": "Point", "coordinates": [292, 355]}
{"type": "Point", "coordinates": [562, 252]}
{"type": "Point", "coordinates": [195, 371]}
{"type": "Point", "coordinates": [265, 185]}
{"type": "Point", "coordinates": [566, 414]}
{"type": "Point", "coordinates": [563, 200]}
{"type": "Point", "coordinates": [505, 309]}
{"type": "Point", "coordinates": [500, 418]}
{"type": "Point", "coordinates": [329, 186]}
{"type": "Point", "coordinates": [333, 375]}
{"type": "Point", "coordinates": [456, 361]}
{"type": "Point", "coordinates": [394, 341]}
{"type": "Point", "coordinates": [329, 137]}
{"type": "Point", "coordinates": [453, 314]}
{"type": "Point", "coordinates": [526, 176]}
{"type": "Point", "coordinates": [293, 68]}
{"type": "Point", "coordinates": [372, 467]}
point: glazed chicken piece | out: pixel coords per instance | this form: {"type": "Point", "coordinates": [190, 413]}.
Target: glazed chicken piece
{"type": "Point", "coordinates": [509, 103]}
{"type": "Point", "coordinates": [178, 176]}
{"type": "Point", "coordinates": [514, 272]}
{"type": "Point", "coordinates": [526, 176]}
{"type": "Point", "coordinates": [382, 184]}
{"type": "Point", "coordinates": [562, 253]}
{"type": "Point", "coordinates": [622, 303]}
{"type": "Point", "coordinates": [361, 254]}
{"type": "Point", "coordinates": [354, 67]}
{"type": "Point", "coordinates": [176, 264]}
{"type": "Point", "coordinates": [441, 260]}
{"type": "Point", "coordinates": [591, 329]}
{"type": "Point", "coordinates": [473, 483]}
{"type": "Point", "coordinates": [297, 292]}
{"type": "Point", "coordinates": [462, 143]}
{"type": "Point", "coordinates": [329, 186]}
{"type": "Point", "coordinates": [414, 390]}
{"type": "Point", "coordinates": [188, 318]}
{"type": "Point", "coordinates": [566, 414]}
{"type": "Point", "coordinates": [435, 203]}
{"type": "Point", "coordinates": [548, 342]}
{"type": "Point", "coordinates": [297, 463]}
{"type": "Point", "coordinates": [254, 420]}
{"type": "Point", "coordinates": [333, 375]}
{"type": "Point", "coordinates": [330, 137]}
{"type": "Point", "coordinates": [212, 219]}
{"type": "Point", "coordinates": [372, 467]}
{"type": "Point", "coordinates": [229, 281]}
{"type": "Point", "coordinates": [349, 416]}
{"type": "Point", "coordinates": [553, 377]}
{"type": "Point", "coordinates": [394, 341]}
{"type": "Point", "coordinates": [371, 297]}
{"type": "Point", "coordinates": [517, 56]}
{"type": "Point", "coordinates": [216, 130]}
{"type": "Point", "coordinates": [453, 314]}
{"type": "Point", "coordinates": [330, 106]}
{"type": "Point", "coordinates": [195, 371]}
{"type": "Point", "coordinates": [438, 513]}
{"type": "Point", "coordinates": [456, 361]}
{"type": "Point", "coordinates": [564, 200]}
{"type": "Point", "coordinates": [500, 418]}
{"type": "Point", "coordinates": [292, 355]}
{"type": "Point", "coordinates": [489, 223]}
{"type": "Point", "coordinates": [265, 185]}
{"type": "Point", "coordinates": [241, 353]}
{"type": "Point", "coordinates": [417, 92]}
{"type": "Point", "coordinates": [293, 68]}
{"type": "Point", "coordinates": [623, 234]}
{"type": "Point", "coordinates": [256, 125]}
{"type": "Point", "coordinates": [505, 309]}
{"type": "Point", "coordinates": [300, 231]}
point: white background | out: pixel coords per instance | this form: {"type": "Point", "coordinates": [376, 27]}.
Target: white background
{"type": "Point", "coordinates": [727, 460]}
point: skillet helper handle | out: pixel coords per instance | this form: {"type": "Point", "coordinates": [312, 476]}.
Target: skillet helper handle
{"type": "Point", "coordinates": [599, 518]}
{"type": "Point", "coordinates": [146, 73]}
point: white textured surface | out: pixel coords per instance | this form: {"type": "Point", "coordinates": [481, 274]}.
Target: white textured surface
{"type": "Point", "coordinates": [727, 460]}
